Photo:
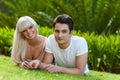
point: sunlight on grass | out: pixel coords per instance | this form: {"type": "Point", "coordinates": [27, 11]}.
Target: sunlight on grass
{"type": "Point", "coordinates": [9, 71]}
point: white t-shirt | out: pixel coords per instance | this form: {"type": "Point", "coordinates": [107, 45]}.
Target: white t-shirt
{"type": "Point", "coordinates": [66, 57]}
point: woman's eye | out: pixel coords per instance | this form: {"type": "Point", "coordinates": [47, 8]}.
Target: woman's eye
{"type": "Point", "coordinates": [30, 27]}
{"type": "Point", "coordinates": [23, 30]}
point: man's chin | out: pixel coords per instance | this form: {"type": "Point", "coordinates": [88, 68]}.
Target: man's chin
{"type": "Point", "coordinates": [60, 43]}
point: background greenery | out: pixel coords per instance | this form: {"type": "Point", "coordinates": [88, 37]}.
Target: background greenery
{"type": "Point", "coordinates": [99, 16]}
{"type": "Point", "coordinates": [14, 72]}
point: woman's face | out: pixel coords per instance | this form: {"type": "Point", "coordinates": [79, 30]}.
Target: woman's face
{"type": "Point", "coordinates": [29, 33]}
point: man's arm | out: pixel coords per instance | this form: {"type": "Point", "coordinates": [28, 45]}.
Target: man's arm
{"type": "Point", "coordinates": [48, 59]}
{"type": "Point", "coordinates": [79, 69]}
{"type": "Point", "coordinates": [80, 65]}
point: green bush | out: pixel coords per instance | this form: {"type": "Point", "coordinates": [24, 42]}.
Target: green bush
{"type": "Point", "coordinates": [6, 36]}
{"type": "Point", "coordinates": [103, 50]}
{"type": "Point", "coordinates": [45, 31]}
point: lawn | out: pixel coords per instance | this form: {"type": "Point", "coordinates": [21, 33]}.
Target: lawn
{"type": "Point", "coordinates": [9, 71]}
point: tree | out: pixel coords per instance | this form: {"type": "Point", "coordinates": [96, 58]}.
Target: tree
{"type": "Point", "coordinates": [99, 16]}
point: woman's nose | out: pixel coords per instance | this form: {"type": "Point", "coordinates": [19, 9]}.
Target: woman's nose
{"type": "Point", "coordinates": [28, 30]}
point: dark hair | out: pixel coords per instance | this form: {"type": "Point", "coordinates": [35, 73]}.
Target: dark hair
{"type": "Point", "coordinates": [65, 19]}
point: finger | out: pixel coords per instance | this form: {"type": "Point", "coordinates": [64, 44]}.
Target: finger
{"type": "Point", "coordinates": [24, 65]}
{"type": "Point", "coordinates": [47, 67]}
{"type": "Point", "coordinates": [27, 65]}
{"type": "Point", "coordinates": [36, 65]}
{"type": "Point", "coordinates": [53, 68]}
{"type": "Point", "coordinates": [50, 67]}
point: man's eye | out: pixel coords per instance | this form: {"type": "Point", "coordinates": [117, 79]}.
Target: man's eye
{"type": "Point", "coordinates": [64, 31]}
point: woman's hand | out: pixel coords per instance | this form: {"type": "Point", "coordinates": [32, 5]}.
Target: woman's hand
{"type": "Point", "coordinates": [26, 64]}
{"type": "Point", "coordinates": [35, 63]}
{"type": "Point", "coordinates": [38, 64]}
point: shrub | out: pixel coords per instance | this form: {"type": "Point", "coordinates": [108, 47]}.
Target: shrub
{"type": "Point", "coordinates": [6, 36]}
{"type": "Point", "coordinates": [103, 51]}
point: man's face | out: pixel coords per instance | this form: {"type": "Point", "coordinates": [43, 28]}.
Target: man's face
{"type": "Point", "coordinates": [62, 33]}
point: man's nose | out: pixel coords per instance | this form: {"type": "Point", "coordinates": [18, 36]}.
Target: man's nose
{"type": "Point", "coordinates": [60, 34]}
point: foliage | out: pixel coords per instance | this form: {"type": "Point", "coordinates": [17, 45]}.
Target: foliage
{"type": "Point", "coordinates": [6, 36]}
{"type": "Point", "coordinates": [103, 50]}
{"type": "Point", "coordinates": [99, 16]}
{"type": "Point", "coordinates": [106, 15]}
{"type": "Point", "coordinates": [7, 21]}
{"type": "Point", "coordinates": [14, 72]}
{"type": "Point", "coordinates": [45, 31]}
{"type": "Point", "coordinates": [22, 8]}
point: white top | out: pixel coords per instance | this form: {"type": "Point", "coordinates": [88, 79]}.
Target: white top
{"type": "Point", "coordinates": [66, 57]}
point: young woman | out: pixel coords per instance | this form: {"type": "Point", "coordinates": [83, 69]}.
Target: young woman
{"type": "Point", "coordinates": [28, 45]}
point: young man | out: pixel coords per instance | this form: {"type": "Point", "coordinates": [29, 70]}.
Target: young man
{"type": "Point", "coordinates": [69, 52]}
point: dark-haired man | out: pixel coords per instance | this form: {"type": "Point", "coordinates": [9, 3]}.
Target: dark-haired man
{"type": "Point", "coordinates": [70, 52]}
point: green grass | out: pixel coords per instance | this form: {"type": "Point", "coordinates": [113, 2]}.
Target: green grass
{"type": "Point", "coordinates": [9, 71]}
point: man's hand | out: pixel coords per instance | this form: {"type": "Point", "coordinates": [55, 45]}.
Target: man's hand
{"type": "Point", "coordinates": [53, 68]}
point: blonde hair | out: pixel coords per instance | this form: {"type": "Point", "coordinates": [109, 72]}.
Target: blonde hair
{"type": "Point", "coordinates": [20, 44]}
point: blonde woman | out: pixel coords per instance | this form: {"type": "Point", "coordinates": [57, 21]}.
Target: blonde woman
{"type": "Point", "coordinates": [28, 45]}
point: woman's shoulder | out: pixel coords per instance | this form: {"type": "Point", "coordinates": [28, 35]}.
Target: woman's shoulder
{"type": "Point", "coordinates": [41, 36]}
